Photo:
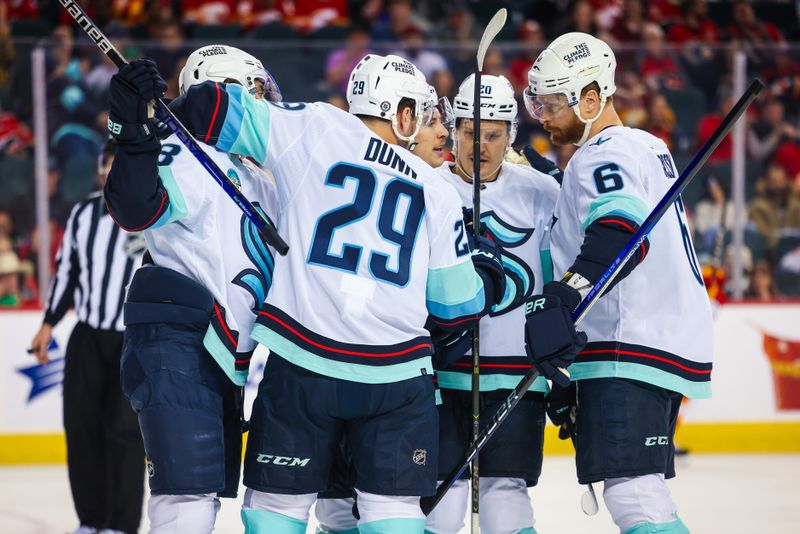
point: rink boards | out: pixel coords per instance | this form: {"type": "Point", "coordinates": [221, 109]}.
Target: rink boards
{"type": "Point", "coordinates": [755, 407]}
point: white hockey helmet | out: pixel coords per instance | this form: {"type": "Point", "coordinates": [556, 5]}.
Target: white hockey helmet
{"type": "Point", "coordinates": [566, 66]}
{"type": "Point", "coordinates": [378, 83]}
{"type": "Point", "coordinates": [221, 62]}
{"type": "Point", "coordinates": [497, 101]}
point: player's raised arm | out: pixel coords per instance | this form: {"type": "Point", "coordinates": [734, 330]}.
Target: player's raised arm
{"type": "Point", "coordinates": [135, 196]}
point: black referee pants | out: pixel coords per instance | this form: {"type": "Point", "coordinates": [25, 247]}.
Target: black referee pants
{"type": "Point", "coordinates": [105, 455]}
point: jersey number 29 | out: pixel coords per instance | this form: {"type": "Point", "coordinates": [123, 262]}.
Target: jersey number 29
{"type": "Point", "coordinates": [397, 194]}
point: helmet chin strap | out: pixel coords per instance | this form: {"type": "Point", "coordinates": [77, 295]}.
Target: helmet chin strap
{"type": "Point", "coordinates": [411, 139]}
{"type": "Point", "coordinates": [588, 122]}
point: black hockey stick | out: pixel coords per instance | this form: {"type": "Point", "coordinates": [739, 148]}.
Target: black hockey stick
{"type": "Point", "coordinates": [491, 31]}
{"type": "Point", "coordinates": [265, 228]}
{"type": "Point", "coordinates": [670, 197]}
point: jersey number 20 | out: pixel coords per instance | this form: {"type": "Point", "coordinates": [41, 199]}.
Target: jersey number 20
{"type": "Point", "coordinates": [397, 194]}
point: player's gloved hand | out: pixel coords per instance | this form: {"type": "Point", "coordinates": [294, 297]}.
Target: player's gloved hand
{"type": "Point", "coordinates": [542, 164]}
{"type": "Point", "coordinates": [551, 340]}
{"type": "Point", "coordinates": [486, 257]}
{"type": "Point", "coordinates": [130, 94]}
{"type": "Point", "coordinates": [448, 346]}
{"type": "Point", "coordinates": [562, 408]}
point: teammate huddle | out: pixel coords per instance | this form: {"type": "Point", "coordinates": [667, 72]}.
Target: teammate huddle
{"type": "Point", "coordinates": [381, 270]}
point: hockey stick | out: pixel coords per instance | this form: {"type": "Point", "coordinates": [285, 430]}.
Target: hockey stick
{"type": "Point", "coordinates": [267, 231]}
{"type": "Point", "coordinates": [670, 197]}
{"type": "Point", "coordinates": [491, 31]}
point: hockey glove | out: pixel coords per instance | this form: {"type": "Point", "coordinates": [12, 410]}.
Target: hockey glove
{"type": "Point", "coordinates": [551, 340]}
{"type": "Point", "coordinates": [131, 92]}
{"type": "Point", "coordinates": [487, 260]}
{"type": "Point", "coordinates": [562, 408]}
{"type": "Point", "coordinates": [449, 346]}
{"type": "Point", "coordinates": [542, 164]}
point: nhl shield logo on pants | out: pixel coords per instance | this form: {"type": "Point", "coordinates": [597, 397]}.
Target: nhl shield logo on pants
{"type": "Point", "coordinates": [420, 456]}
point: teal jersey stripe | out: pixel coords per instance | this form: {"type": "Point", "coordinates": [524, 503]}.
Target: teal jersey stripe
{"type": "Point", "coordinates": [493, 382]}
{"type": "Point", "coordinates": [177, 204]}
{"type": "Point", "coordinates": [404, 525]}
{"type": "Point", "coordinates": [547, 265]}
{"type": "Point", "coordinates": [454, 291]}
{"type": "Point", "coordinates": [643, 373]}
{"type": "Point", "coordinates": [615, 203]}
{"type": "Point", "coordinates": [265, 522]}
{"type": "Point", "coordinates": [246, 127]}
{"type": "Point", "coordinates": [223, 357]}
{"type": "Point", "coordinates": [353, 372]}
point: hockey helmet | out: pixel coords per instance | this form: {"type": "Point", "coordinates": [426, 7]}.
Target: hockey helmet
{"type": "Point", "coordinates": [497, 101]}
{"type": "Point", "coordinates": [565, 67]}
{"type": "Point", "coordinates": [378, 83]}
{"type": "Point", "coordinates": [220, 63]}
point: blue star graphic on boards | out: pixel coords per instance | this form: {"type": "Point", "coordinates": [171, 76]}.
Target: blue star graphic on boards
{"type": "Point", "coordinates": [44, 377]}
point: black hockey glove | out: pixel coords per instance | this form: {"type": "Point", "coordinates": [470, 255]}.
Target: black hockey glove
{"type": "Point", "coordinates": [561, 409]}
{"type": "Point", "coordinates": [449, 346]}
{"type": "Point", "coordinates": [130, 92]}
{"type": "Point", "coordinates": [542, 164]}
{"type": "Point", "coordinates": [551, 340]}
{"type": "Point", "coordinates": [487, 260]}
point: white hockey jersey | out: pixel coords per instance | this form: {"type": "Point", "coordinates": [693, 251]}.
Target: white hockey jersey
{"type": "Point", "coordinates": [205, 236]}
{"type": "Point", "coordinates": [376, 242]}
{"type": "Point", "coordinates": [655, 325]}
{"type": "Point", "coordinates": [517, 209]}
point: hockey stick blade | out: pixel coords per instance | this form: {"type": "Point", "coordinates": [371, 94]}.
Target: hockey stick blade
{"type": "Point", "coordinates": [702, 155]}
{"type": "Point", "coordinates": [268, 232]}
{"type": "Point", "coordinates": [492, 29]}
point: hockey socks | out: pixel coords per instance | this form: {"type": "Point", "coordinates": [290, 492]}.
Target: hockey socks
{"type": "Point", "coordinates": [263, 522]}
{"type": "Point", "coordinates": [393, 526]}
{"type": "Point", "coordinates": [673, 527]}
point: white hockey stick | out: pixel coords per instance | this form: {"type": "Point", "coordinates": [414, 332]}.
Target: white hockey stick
{"type": "Point", "coordinates": [491, 31]}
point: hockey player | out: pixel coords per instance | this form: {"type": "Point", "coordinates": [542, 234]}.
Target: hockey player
{"type": "Point", "coordinates": [517, 207]}
{"type": "Point", "coordinates": [188, 317]}
{"type": "Point", "coordinates": [334, 508]}
{"type": "Point", "coordinates": [650, 336]}
{"type": "Point", "coordinates": [377, 244]}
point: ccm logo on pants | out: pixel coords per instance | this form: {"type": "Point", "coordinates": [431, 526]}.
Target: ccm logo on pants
{"type": "Point", "coordinates": [282, 460]}
{"type": "Point", "coordinates": [656, 440]}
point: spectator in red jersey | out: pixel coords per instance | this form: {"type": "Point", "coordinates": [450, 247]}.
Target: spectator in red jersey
{"type": "Point", "coordinates": [21, 9]}
{"type": "Point", "coordinates": [656, 67]}
{"type": "Point", "coordinates": [629, 26]}
{"type": "Point", "coordinates": [696, 26]}
{"type": "Point", "coordinates": [746, 28]}
{"type": "Point", "coordinates": [531, 40]}
{"type": "Point", "coordinates": [708, 123]}
{"type": "Point", "coordinates": [664, 12]}
{"type": "Point", "coordinates": [606, 12]}
{"type": "Point", "coordinates": [788, 158]}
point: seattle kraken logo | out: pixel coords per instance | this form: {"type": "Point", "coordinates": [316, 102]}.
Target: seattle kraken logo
{"type": "Point", "coordinates": [255, 281]}
{"type": "Point", "coordinates": [519, 277]}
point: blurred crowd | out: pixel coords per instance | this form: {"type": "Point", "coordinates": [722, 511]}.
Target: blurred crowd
{"type": "Point", "coordinates": [674, 80]}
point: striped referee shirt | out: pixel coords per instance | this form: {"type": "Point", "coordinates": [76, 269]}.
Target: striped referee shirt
{"type": "Point", "coordinates": [94, 265]}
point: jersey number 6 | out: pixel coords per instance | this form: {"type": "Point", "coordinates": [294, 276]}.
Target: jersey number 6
{"type": "Point", "coordinates": [397, 194]}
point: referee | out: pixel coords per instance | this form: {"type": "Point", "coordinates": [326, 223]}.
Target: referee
{"type": "Point", "coordinates": [105, 454]}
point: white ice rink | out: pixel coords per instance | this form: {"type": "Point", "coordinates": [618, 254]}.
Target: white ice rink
{"type": "Point", "coordinates": [716, 494]}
